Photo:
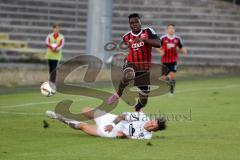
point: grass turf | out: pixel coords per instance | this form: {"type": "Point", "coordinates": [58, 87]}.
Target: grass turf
{"type": "Point", "coordinates": [204, 123]}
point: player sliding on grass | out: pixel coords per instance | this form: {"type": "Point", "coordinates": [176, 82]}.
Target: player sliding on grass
{"type": "Point", "coordinates": [132, 125]}
{"type": "Point", "coordinates": [138, 61]}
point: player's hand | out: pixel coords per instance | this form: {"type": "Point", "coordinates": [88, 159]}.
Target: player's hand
{"type": "Point", "coordinates": [160, 51]}
{"type": "Point", "coordinates": [108, 128]}
{"type": "Point", "coordinates": [54, 50]}
{"type": "Point", "coordinates": [184, 51]}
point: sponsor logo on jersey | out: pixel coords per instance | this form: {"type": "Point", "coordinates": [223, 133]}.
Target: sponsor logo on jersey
{"type": "Point", "coordinates": [170, 45]}
{"type": "Point", "coordinates": [137, 45]}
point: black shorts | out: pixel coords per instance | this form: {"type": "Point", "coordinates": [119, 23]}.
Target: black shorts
{"type": "Point", "coordinates": [142, 77]}
{"type": "Point", "coordinates": [169, 67]}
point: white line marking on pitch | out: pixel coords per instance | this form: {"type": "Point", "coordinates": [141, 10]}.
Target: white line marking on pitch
{"type": "Point", "coordinates": [29, 104]}
{"type": "Point", "coordinates": [34, 104]}
{"type": "Point", "coordinates": [51, 102]}
{"type": "Point", "coordinates": [22, 113]}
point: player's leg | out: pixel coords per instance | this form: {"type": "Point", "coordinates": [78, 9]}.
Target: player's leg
{"type": "Point", "coordinates": [88, 112]}
{"type": "Point", "coordinates": [52, 70]}
{"type": "Point", "coordinates": [165, 72]}
{"type": "Point", "coordinates": [172, 82]}
{"type": "Point", "coordinates": [142, 81]}
{"type": "Point", "coordinates": [128, 75]}
{"type": "Point", "coordinates": [143, 97]}
{"type": "Point", "coordinates": [70, 122]}
{"type": "Point", "coordinates": [86, 128]}
{"type": "Point", "coordinates": [172, 75]}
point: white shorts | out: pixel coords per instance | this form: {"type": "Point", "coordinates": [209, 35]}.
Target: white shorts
{"type": "Point", "coordinates": [104, 120]}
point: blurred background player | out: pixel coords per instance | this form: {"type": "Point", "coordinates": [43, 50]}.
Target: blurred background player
{"type": "Point", "coordinates": [131, 125]}
{"type": "Point", "coordinates": [55, 43]}
{"type": "Point", "coordinates": [140, 42]}
{"type": "Point", "coordinates": [170, 44]}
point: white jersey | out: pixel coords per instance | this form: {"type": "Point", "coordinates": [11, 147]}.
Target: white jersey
{"type": "Point", "coordinates": [133, 125]}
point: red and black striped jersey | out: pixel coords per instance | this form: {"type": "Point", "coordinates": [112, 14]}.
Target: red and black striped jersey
{"type": "Point", "coordinates": [170, 46]}
{"type": "Point", "coordinates": [140, 54]}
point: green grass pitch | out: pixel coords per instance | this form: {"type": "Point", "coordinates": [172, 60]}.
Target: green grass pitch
{"type": "Point", "coordinates": [210, 132]}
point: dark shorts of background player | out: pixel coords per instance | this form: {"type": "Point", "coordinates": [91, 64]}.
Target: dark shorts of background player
{"type": "Point", "coordinates": [142, 77]}
{"type": "Point", "coordinates": [169, 67]}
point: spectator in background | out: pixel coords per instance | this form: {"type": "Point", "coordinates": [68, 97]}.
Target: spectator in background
{"type": "Point", "coordinates": [55, 43]}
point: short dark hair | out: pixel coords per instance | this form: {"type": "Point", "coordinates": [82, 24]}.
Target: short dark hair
{"type": "Point", "coordinates": [171, 24]}
{"type": "Point", "coordinates": [55, 25]}
{"type": "Point", "coordinates": [161, 124]}
{"type": "Point", "coordinates": [134, 15]}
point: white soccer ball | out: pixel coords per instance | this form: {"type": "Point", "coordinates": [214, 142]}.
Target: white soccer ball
{"type": "Point", "coordinates": [48, 89]}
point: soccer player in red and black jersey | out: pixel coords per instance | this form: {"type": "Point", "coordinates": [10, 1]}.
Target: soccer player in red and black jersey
{"type": "Point", "coordinates": [138, 61]}
{"type": "Point", "coordinates": [170, 44]}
